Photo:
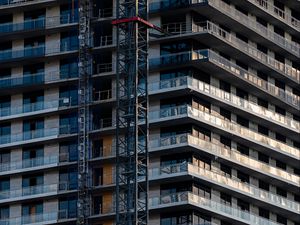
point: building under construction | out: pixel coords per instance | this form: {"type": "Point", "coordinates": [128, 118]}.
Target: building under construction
{"type": "Point", "coordinates": [158, 112]}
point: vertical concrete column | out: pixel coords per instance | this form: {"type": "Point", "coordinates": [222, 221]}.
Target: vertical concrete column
{"type": "Point", "coordinates": [15, 210]}
{"type": "Point", "coordinates": [52, 71]}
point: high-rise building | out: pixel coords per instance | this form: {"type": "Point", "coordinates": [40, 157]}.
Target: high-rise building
{"type": "Point", "coordinates": [224, 117]}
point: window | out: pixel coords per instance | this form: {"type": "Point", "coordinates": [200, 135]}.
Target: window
{"type": "Point", "coordinates": [4, 106]}
{"type": "Point", "coordinates": [68, 152]}
{"type": "Point", "coordinates": [32, 181]}
{"type": "Point", "coordinates": [68, 68]}
{"type": "Point", "coordinates": [33, 101]}
{"type": "Point", "coordinates": [68, 95]}
{"type": "Point", "coordinates": [68, 123]}
{"type": "Point", "coordinates": [242, 121]}
{"type": "Point", "coordinates": [264, 213]}
{"type": "Point", "coordinates": [4, 159]}
{"type": "Point", "coordinates": [33, 129]}
{"type": "Point", "coordinates": [30, 212]}
{"type": "Point", "coordinates": [243, 177]}
{"type": "Point", "coordinates": [262, 130]}
{"type": "Point", "coordinates": [281, 192]}
{"type": "Point", "coordinates": [243, 149]}
{"type": "Point", "coordinates": [33, 156]}
{"type": "Point", "coordinates": [68, 179]}
{"type": "Point", "coordinates": [280, 137]}
{"type": "Point", "coordinates": [263, 185]}
{"type": "Point", "coordinates": [225, 86]}
{"type": "Point", "coordinates": [69, 12]}
{"type": "Point", "coordinates": [226, 170]}
{"type": "Point", "coordinates": [67, 208]}
{"type": "Point", "coordinates": [69, 41]}
{"type": "Point", "coordinates": [263, 157]}
{"type": "Point", "coordinates": [34, 20]}
{"type": "Point", "coordinates": [226, 142]}
{"type": "Point", "coordinates": [262, 102]}
{"type": "Point", "coordinates": [226, 114]}
{"type": "Point", "coordinates": [4, 213]}
{"type": "Point", "coordinates": [244, 206]}
{"type": "Point", "coordinates": [5, 133]}
{"type": "Point", "coordinates": [280, 164]}
{"type": "Point", "coordinates": [225, 199]}
{"type": "Point", "coordinates": [281, 220]}
{"type": "Point", "coordinates": [4, 188]}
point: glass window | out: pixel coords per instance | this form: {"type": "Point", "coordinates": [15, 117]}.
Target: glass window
{"type": "Point", "coordinates": [5, 130]}
{"type": "Point", "coordinates": [33, 101]}
{"type": "Point", "coordinates": [69, 12]}
{"type": "Point", "coordinates": [67, 95]}
{"type": "Point", "coordinates": [68, 179]}
{"type": "Point", "coordinates": [68, 68]}
{"type": "Point", "coordinates": [4, 212]}
{"type": "Point", "coordinates": [67, 208]}
{"type": "Point", "coordinates": [68, 152]}
{"type": "Point", "coordinates": [69, 41]}
{"type": "Point", "coordinates": [33, 129]}
{"type": "Point", "coordinates": [68, 123]}
{"type": "Point", "coordinates": [5, 106]}
{"type": "Point", "coordinates": [31, 213]}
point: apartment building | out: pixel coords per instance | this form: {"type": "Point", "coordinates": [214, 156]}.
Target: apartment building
{"type": "Point", "coordinates": [224, 93]}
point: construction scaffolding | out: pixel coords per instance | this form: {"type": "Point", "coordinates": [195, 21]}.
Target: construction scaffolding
{"type": "Point", "coordinates": [132, 113]}
{"type": "Point", "coordinates": [84, 64]}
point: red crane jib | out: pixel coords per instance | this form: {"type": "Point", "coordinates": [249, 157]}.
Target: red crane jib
{"type": "Point", "coordinates": [136, 19]}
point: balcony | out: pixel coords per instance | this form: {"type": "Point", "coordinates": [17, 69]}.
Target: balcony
{"type": "Point", "coordinates": [232, 183]}
{"type": "Point", "coordinates": [36, 135]}
{"type": "Point", "coordinates": [259, 58]}
{"type": "Point", "coordinates": [37, 24]}
{"type": "Point", "coordinates": [16, 3]}
{"type": "Point", "coordinates": [101, 42]}
{"type": "Point", "coordinates": [34, 108]}
{"type": "Point", "coordinates": [277, 13]}
{"type": "Point", "coordinates": [102, 96]}
{"type": "Point", "coordinates": [241, 20]}
{"type": "Point", "coordinates": [104, 123]}
{"type": "Point", "coordinates": [221, 124]}
{"type": "Point", "coordinates": [43, 218]}
{"type": "Point", "coordinates": [31, 192]}
{"type": "Point", "coordinates": [228, 154]}
{"type": "Point", "coordinates": [35, 79]}
{"type": "Point", "coordinates": [34, 52]}
{"type": "Point", "coordinates": [20, 165]}
{"type": "Point", "coordinates": [182, 199]}
{"type": "Point", "coordinates": [166, 86]}
{"type": "Point", "coordinates": [194, 57]}
{"type": "Point", "coordinates": [105, 13]}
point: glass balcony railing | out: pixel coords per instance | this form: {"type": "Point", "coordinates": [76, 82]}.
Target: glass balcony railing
{"type": "Point", "coordinates": [34, 107]}
{"type": "Point", "coordinates": [32, 190]}
{"type": "Point", "coordinates": [221, 178]}
{"type": "Point", "coordinates": [183, 28]}
{"type": "Point", "coordinates": [34, 79]}
{"type": "Point", "coordinates": [230, 11]}
{"type": "Point", "coordinates": [36, 24]}
{"type": "Point", "coordinates": [43, 218]}
{"type": "Point", "coordinates": [277, 12]}
{"type": "Point", "coordinates": [225, 64]}
{"type": "Point", "coordinates": [218, 93]}
{"type": "Point", "coordinates": [214, 206]}
{"type": "Point", "coordinates": [29, 163]}
{"type": "Point", "coordinates": [32, 52]}
{"type": "Point", "coordinates": [37, 134]}
{"type": "Point", "coordinates": [19, 2]}
{"type": "Point", "coordinates": [228, 126]}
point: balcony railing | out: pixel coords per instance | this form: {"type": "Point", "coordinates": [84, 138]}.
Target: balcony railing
{"type": "Point", "coordinates": [239, 17]}
{"type": "Point", "coordinates": [37, 134]}
{"type": "Point", "coordinates": [34, 79]}
{"type": "Point", "coordinates": [221, 178]}
{"type": "Point", "coordinates": [32, 52]}
{"type": "Point", "coordinates": [104, 68]}
{"type": "Point", "coordinates": [228, 126]}
{"type": "Point", "coordinates": [35, 24]}
{"type": "Point", "coordinates": [209, 55]}
{"type": "Point", "coordinates": [277, 12]}
{"type": "Point", "coordinates": [29, 163]}
{"type": "Point", "coordinates": [183, 28]}
{"type": "Point", "coordinates": [19, 2]}
{"type": "Point", "coordinates": [105, 13]}
{"type": "Point", "coordinates": [103, 123]}
{"type": "Point", "coordinates": [34, 107]}
{"type": "Point", "coordinates": [103, 41]}
{"type": "Point", "coordinates": [222, 95]}
{"type": "Point", "coordinates": [43, 218]}
{"type": "Point", "coordinates": [226, 153]}
{"type": "Point", "coordinates": [208, 204]}
{"type": "Point", "coordinates": [33, 190]}
{"type": "Point", "coordinates": [102, 95]}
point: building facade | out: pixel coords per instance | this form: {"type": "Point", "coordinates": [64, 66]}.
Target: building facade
{"type": "Point", "coordinates": [224, 117]}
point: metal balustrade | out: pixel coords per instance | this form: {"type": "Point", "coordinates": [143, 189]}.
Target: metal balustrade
{"type": "Point", "coordinates": [6, 3]}
{"type": "Point", "coordinates": [102, 95]}
{"type": "Point", "coordinates": [207, 89]}
{"type": "Point", "coordinates": [184, 28]}
{"type": "Point", "coordinates": [211, 56]}
{"type": "Point", "coordinates": [35, 107]}
{"type": "Point", "coordinates": [102, 41]}
{"type": "Point", "coordinates": [226, 153]}
{"type": "Point", "coordinates": [104, 68]}
{"type": "Point", "coordinates": [212, 204]}
{"type": "Point", "coordinates": [228, 126]}
{"type": "Point", "coordinates": [221, 178]}
{"type": "Point", "coordinates": [105, 13]}
{"type": "Point", "coordinates": [230, 11]}
{"type": "Point", "coordinates": [37, 24]}
{"type": "Point", "coordinates": [103, 123]}
{"type": "Point", "coordinates": [277, 12]}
